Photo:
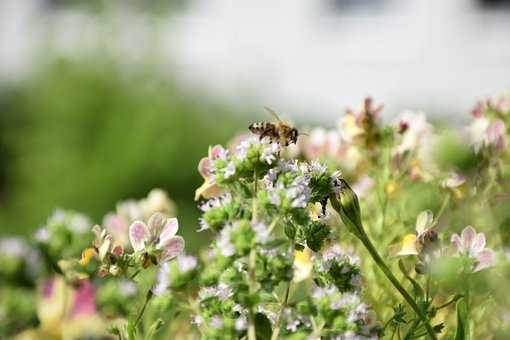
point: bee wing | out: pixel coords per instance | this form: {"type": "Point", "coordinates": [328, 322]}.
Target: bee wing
{"type": "Point", "coordinates": [272, 113]}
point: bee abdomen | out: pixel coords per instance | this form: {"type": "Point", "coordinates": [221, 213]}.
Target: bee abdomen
{"type": "Point", "coordinates": [259, 127]}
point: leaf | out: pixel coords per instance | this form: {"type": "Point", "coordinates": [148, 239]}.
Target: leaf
{"type": "Point", "coordinates": [461, 333]}
{"type": "Point", "coordinates": [262, 327]}
{"type": "Point", "coordinates": [418, 290]}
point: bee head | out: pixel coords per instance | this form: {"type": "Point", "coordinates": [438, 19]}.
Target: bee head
{"type": "Point", "coordinates": [294, 135]}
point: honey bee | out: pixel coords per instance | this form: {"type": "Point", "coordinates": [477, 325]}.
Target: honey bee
{"type": "Point", "coordinates": [280, 131]}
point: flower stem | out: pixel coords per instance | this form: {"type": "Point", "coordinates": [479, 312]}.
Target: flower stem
{"type": "Point", "coordinates": [278, 323]}
{"type": "Point", "coordinates": [385, 269]}
{"type": "Point", "coordinates": [140, 314]}
{"type": "Point", "coordinates": [251, 276]}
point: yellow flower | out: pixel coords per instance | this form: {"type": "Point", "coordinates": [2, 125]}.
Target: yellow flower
{"type": "Point", "coordinates": [391, 187]}
{"type": "Point", "coordinates": [302, 265]}
{"type": "Point", "coordinates": [87, 255]}
{"type": "Point", "coordinates": [409, 246]}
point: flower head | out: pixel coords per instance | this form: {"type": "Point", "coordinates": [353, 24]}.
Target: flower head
{"type": "Point", "coordinates": [158, 236]}
{"type": "Point", "coordinates": [472, 244]}
{"type": "Point", "coordinates": [206, 169]}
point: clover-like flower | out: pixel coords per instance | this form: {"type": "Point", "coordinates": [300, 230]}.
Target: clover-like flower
{"type": "Point", "coordinates": [157, 237]}
{"type": "Point", "coordinates": [472, 244]}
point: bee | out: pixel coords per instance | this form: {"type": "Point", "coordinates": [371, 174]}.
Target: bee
{"type": "Point", "coordinates": [280, 131]}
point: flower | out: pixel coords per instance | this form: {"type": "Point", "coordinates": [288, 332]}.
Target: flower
{"type": "Point", "coordinates": [158, 235]}
{"type": "Point", "coordinates": [303, 265]}
{"type": "Point", "coordinates": [412, 244]}
{"type": "Point", "coordinates": [415, 131]}
{"type": "Point", "coordinates": [488, 134]}
{"type": "Point", "coordinates": [471, 244]}
{"type": "Point", "coordinates": [321, 143]}
{"type": "Point", "coordinates": [206, 169]}
{"type": "Point", "coordinates": [157, 201]}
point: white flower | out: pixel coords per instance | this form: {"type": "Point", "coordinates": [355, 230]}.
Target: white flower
{"type": "Point", "coordinates": [225, 247]}
{"type": "Point", "coordinates": [216, 322]}
{"type": "Point", "coordinates": [230, 170]}
{"type": "Point", "coordinates": [244, 146]}
{"type": "Point", "coordinates": [269, 153]}
{"type": "Point", "coordinates": [262, 232]}
{"type": "Point", "coordinates": [42, 235]}
{"type": "Point", "coordinates": [14, 247]}
{"type": "Point", "coordinates": [162, 280]}
{"type": "Point", "coordinates": [158, 232]}
{"type": "Point", "coordinates": [415, 131]}
{"type": "Point", "coordinates": [473, 245]}
{"type": "Point", "coordinates": [241, 323]}
{"type": "Point", "coordinates": [203, 225]}
{"type": "Point", "coordinates": [157, 201]}
{"type": "Point", "coordinates": [186, 263]}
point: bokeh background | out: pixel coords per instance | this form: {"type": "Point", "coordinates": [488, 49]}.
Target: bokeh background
{"type": "Point", "coordinates": [103, 100]}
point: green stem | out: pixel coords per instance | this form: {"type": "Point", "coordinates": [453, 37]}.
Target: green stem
{"type": "Point", "coordinates": [382, 265]}
{"type": "Point", "coordinates": [251, 275]}
{"type": "Point", "coordinates": [411, 330]}
{"type": "Point", "coordinates": [140, 314]}
{"type": "Point", "coordinates": [277, 326]}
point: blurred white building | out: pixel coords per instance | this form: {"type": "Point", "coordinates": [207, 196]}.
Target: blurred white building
{"type": "Point", "coordinates": [299, 56]}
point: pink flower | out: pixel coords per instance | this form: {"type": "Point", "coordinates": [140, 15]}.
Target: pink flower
{"type": "Point", "coordinates": [84, 300]}
{"type": "Point", "coordinates": [158, 235]}
{"type": "Point", "coordinates": [206, 169]}
{"type": "Point", "coordinates": [488, 134]}
{"type": "Point", "coordinates": [472, 245]}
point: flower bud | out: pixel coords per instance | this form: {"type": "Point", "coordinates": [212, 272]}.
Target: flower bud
{"type": "Point", "coordinates": [347, 206]}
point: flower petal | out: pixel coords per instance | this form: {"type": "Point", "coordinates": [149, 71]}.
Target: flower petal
{"type": "Point", "coordinates": [409, 246]}
{"type": "Point", "coordinates": [169, 229]}
{"type": "Point", "coordinates": [424, 221]}
{"type": "Point", "coordinates": [204, 167]}
{"type": "Point", "coordinates": [468, 237]}
{"type": "Point", "coordinates": [456, 241]}
{"type": "Point", "coordinates": [173, 247]}
{"type": "Point", "coordinates": [216, 152]}
{"type": "Point", "coordinates": [479, 243]}
{"type": "Point", "coordinates": [207, 190]}
{"type": "Point", "coordinates": [156, 222]}
{"type": "Point", "coordinates": [486, 258]}
{"type": "Point", "coordinates": [138, 234]}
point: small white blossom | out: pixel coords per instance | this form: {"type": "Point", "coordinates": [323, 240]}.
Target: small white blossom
{"type": "Point", "coordinates": [230, 170]}
{"type": "Point", "coordinates": [225, 247]}
{"type": "Point", "coordinates": [186, 263]}
{"type": "Point", "coordinates": [216, 322]}
{"type": "Point", "coordinates": [241, 323]}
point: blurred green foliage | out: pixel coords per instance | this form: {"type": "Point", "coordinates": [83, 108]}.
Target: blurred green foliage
{"type": "Point", "coordinates": [87, 134]}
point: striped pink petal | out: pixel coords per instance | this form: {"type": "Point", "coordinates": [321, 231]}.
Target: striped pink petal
{"type": "Point", "coordinates": [138, 235]}
{"type": "Point", "coordinates": [205, 167]}
{"type": "Point", "coordinates": [169, 229]}
{"type": "Point", "coordinates": [173, 247]}
{"type": "Point", "coordinates": [216, 151]}
{"type": "Point", "coordinates": [485, 259]}
{"type": "Point", "coordinates": [468, 237]}
{"type": "Point", "coordinates": [456, 241]}
{"type": "Point", "coordinates": [479, 243]}
{"type": "Point", "coordinates": [156, 222]}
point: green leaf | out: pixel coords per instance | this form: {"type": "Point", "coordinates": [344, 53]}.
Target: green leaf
{"type": "Point", "coordinates": [263, 327]}
{"type": "Point", "coordinates": [461, 333]}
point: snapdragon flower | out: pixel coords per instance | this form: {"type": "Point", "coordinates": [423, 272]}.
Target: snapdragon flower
{"type": "Point", "coordinates": [472, 244]}
{"type": "Point", "coordinates": [206, 169]}
{"type": "Point", "coordinates": [157, 237]}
